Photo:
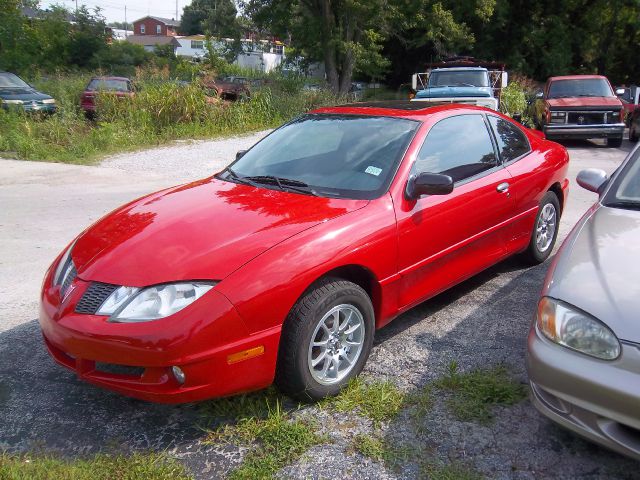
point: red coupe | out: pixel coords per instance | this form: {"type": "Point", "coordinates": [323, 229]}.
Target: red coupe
{"type": "Point", "coordinates": [282, 266]}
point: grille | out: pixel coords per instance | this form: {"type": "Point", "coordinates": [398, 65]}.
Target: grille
{"type": "Point", "coordinates": [587, 118]}
{"type": "Point", "coordinates": [95, 296]}
{"type": "Point", "coordinates": [119, 369]}
{"type": "Point", "coordinates": [68, 280]}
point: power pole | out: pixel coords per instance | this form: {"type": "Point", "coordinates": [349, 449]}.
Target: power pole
{"type": "Point", "coordinates": [125, 21]}
{"type": "Point", "coordinates": [176, 10]}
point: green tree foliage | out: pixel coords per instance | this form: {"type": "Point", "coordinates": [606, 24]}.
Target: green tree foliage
{"type": "Point", "coordinates": [217, 18]}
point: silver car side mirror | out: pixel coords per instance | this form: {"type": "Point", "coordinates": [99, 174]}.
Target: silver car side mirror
{"type": "Point", "coordinates": [592, 179]}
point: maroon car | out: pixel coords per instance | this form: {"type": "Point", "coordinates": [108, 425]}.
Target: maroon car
{"type": "Point", "coordinates": [118, 86]}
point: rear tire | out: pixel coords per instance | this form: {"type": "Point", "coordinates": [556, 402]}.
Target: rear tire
{"type": "Point", "coordinates": [545, 230]}
{"type": "Point", "coordinates": [326, 340]}
{"type": "Point", "coordinates": [633, 135]}
{"type": "Point", "coordinates": [615, 142]}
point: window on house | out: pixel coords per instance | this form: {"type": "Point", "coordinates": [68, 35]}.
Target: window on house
{"type": "Point", "coordinates": [142, 29]}
{"type": "Point", "coordinates": [197, 44]}
{"type": "Point", "coordinates": [279, 49]}
{"type": "Point", "coordinates": [158, 29]}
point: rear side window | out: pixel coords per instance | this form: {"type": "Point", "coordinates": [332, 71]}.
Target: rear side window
{"type": "Point", "coordinates": [512, 142]}
{"type": "Point", "coordinates": [458, 146]}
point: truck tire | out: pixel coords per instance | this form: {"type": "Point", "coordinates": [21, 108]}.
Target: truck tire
{"type": "Point", "coordinates": [615, 142]}
{"type": "Point", "coordinates": [633, 135]}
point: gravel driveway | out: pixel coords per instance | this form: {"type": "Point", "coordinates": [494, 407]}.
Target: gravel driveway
{"type": "Point", "coordinates": [482, 322]}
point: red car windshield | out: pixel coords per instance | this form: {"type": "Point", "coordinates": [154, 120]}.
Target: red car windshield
{"type": "Point", "coordinates": [588, 87]}
{"type": "Point", "coordinates": [332, 155]}
{"type": "Point", "coordinates": [109, 85]}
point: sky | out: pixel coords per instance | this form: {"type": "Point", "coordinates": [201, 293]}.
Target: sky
{"type": "Point", "coordinates": [113, 10]}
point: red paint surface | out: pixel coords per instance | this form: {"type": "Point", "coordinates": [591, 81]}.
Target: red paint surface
{"type": "Point", "coordinates": [266, 247]}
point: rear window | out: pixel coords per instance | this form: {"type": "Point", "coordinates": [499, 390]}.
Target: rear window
{"type": "Point", "coordinates": [108, 84]}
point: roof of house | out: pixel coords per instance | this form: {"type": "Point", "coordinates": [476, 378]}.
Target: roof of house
{"type": "Point", "coordinates": [167, 21]}
{"type": "Point", "coordinates": [150, 40]}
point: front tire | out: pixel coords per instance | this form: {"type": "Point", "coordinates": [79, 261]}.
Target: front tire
{"type": "Point", "coordinates": [615, 142]}
{"type": "Point", "coordinates": [545, 230]}
{"type": "Point", "coordinates": [326, 340]}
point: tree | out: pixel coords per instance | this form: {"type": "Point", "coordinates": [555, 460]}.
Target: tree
{"type": "Point", "coordinates": [217, 18]}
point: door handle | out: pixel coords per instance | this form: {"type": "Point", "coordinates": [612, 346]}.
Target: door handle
{"type": "Point", "coordinates": [503, 187]}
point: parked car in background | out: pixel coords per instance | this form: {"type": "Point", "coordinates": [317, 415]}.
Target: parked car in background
{"type": "Point", "coordinates": [118, 86]}
{"type": "Point", "coordinates": [630, 98]}
{"type": "Point", "coordinates": [283, 265]}
{"type": "Point", "coordinates": [584, 345]}
{"type": "Point", "coordinates": [18, 94]}
{"type": "Point", "coordinates": [229, 88]}
{"type": "Point", "coordinates": [580, 107]}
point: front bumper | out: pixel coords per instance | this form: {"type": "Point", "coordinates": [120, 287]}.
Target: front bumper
{"type": "Point", "coordinates": [594, 398]}
{"type": "Point", "coordinates": [135, 359]}
{"type": "Point", "coordinates": [559, 132]}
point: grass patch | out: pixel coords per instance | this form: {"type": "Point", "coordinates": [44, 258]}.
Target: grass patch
{"type": "Point", "coordinates": [263, 421]}
{"type": "Point", "coordinates": [161, 111]}
{"type": "Point", "coordinates": [380, 450]}
{"type": "Point", "coordinates": [377, 400]}
{"type": "Point", "coordinates": [451, 471]}
{"type": "Point", "coordinates": [476, 392]}
{"type": "Point", "coordinates": [150, 466]}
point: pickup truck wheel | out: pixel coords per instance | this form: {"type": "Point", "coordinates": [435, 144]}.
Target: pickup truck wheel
{"type": "Point", "coordinates": [545, 230]}
{"type": "Point", "coordinates": [615, 142]}
{"type": "Point", "coordinates": [633, 135]}
{"type": "Point", "coordinates": [326, 340]}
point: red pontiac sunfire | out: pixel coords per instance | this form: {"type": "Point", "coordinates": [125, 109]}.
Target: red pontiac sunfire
{"type": "Point", "coordinates": [282, 266]}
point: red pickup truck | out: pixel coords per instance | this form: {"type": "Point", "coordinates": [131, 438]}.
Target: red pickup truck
{"type": "Point", "coordinates": [118, 86]}
{"type": "Point", "coordinates": [580, 107]}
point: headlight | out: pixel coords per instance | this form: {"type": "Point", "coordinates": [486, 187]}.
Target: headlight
{"type": "Point", "coordinates": [558, 117]}
{"type": "Point", "coordinates": [49, 100]}
{"type": "Point", "coordinates": [65, 266]}
{"type": "Point", "coordinates": [13, 102]}
{"type": "Point", "coordinates": [568, 326]}
{"type": "Point", "coordinates": [131, 305]}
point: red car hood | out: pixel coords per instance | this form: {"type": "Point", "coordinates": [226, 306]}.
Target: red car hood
{"type": "Point", "coordinates": [585, 102]}
{"type": "Point", "coordinates": [203, 230]}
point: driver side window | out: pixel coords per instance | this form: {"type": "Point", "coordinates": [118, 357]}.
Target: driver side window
{"type": "Point", "coordinates": [457, 146]}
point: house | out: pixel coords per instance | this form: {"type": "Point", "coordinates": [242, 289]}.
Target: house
{"type": "Point", "coordinates": [155, 26]}
{"type": "Point", "coordinates": [150, 42]}
{"type": "Point", "coordinates": [263, 55]}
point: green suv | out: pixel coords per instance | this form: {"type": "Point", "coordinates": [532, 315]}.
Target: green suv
{"type": "Point", "coordinates": [16, 93]}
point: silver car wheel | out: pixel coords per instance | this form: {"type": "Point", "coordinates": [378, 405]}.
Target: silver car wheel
{"type": "Point", "coordinates": [336, 344]}
{"type": "Point", "coordinates": [546, 227]}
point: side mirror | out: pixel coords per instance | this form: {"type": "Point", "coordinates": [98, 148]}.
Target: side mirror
{"type": "Point", "coordinates": [620, 91]}
{"type": "Point", "coordinates": [504, 79]}
{"type": "Point", "coordinates": [428, 184]}
{"type": "Point", "coordinates": [240, 154]}
{"type": "Point", "coordinates": [592, 179]}
{"type": "Point", "coordinates": [539, 94]}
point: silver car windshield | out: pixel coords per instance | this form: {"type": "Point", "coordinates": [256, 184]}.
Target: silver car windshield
{"type": "Point", "coordinates": [625, 192]}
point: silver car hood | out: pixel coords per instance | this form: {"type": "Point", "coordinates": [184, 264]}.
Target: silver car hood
{"type": "Point", "coordinates": [598, 269]}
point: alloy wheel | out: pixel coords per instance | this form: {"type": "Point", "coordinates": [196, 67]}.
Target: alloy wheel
{"type": "Point", "coordinates": [546, 227]}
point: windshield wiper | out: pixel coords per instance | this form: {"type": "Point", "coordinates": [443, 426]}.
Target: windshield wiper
{"type": "Point", "coordinates": [237, 178]}
{"type": "Point", "coordinates": [283, 183]}
{"type": "Point", "coordinates": [627, 205]}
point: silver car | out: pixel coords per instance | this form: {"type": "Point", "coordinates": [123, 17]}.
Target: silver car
{"type": "Point", "coordinates": [584, 345]}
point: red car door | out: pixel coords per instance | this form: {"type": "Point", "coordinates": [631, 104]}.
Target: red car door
{"type": "Point", "coordinates": [444, 239]}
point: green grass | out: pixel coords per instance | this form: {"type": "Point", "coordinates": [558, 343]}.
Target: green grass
{"type": "Point", "coordinates": [473, 394]}
{"type": "Point", "coordinates": [381, 450]}
{"type": "Point", "coordinates": [162, 111]}
{"type": "Point", "coordinates": [378, 400]}
{"type": "Point", "coordinates": [264, 422]}
{"type": "Point", "coordinates": [149, 466]}
{"type": "Point", "coordinates": [451, 471]}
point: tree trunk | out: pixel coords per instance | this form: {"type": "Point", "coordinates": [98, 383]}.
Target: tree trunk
{"type": "Point", "coordinates": [328, 48]}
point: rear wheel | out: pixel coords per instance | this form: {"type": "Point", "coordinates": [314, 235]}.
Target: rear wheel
{"type": "Point", "coordinates": [545, 230]}
{"type": "Point", "coordinates": [614, 142]}
{"type": "Point", "coordinates": [633, 134]}
{"type": "Point", "coordinates": [325, 341]}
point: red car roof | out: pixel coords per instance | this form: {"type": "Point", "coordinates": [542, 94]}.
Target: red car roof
{"type": "Point", "coordinates": [576, 77]}
{"type": "Point", "coordinates": [403, 109]}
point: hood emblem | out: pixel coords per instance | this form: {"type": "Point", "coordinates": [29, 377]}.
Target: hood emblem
{"type": "Point", "coordinates": [580, 120]}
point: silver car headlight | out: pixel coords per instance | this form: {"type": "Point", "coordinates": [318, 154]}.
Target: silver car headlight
{"type": "Point", "coordinates": [64, 268]}
{"type": "Point", "coordinates": [568, 326]}
{"type": "Point", "coordinates": [132, 305]}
